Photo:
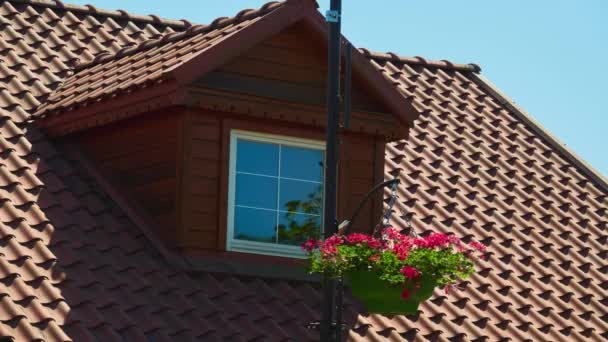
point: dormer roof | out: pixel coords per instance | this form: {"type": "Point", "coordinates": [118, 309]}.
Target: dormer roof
{"type": "Point", "coordinates": [179, 58]}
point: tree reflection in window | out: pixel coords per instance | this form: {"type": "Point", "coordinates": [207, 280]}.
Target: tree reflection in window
{"type": "Point", "coordinates": [302, 220]}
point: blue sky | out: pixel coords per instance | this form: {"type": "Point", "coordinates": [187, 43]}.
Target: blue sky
{"type": "Point", "coordinates": [551, 57]}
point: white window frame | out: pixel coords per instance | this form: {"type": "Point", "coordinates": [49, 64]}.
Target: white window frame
{"type": "Point", "coordinates": [236, 245]}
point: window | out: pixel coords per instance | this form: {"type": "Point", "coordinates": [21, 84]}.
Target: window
{"type": "Point", "coordinates": [275, 197]}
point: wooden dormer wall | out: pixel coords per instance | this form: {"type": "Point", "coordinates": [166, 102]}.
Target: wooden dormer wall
{"type": "Point", "coordinates": [140, 157]}
{"type": "Point", "coordinates": [173, 168]}
{"type": "Point", "coordinates": [206, 160]}
{"type": "Point", "coordinates": [173, 164]}
{"type": "Point", "coordinates": [290, 66]}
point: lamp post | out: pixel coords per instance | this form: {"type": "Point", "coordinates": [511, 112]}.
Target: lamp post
{"type": "Point", "coordinates": [330, 224]}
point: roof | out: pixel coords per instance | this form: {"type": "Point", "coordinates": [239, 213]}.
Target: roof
{"type": "Point", "coordinates": [476, 166]}
{"type": "Point", "coordinates": [182, 57]}
{"type": "Point", "coordinates": [75, 264]}
{"type": "Point", "coordinates": [152, 61]}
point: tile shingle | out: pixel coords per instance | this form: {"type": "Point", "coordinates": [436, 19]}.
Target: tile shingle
{"type": "Point", "coordinates": [72, 267]}
{"type": "Point", "coordinates": [139, 65]}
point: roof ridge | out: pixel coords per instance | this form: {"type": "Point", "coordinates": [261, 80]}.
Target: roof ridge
{"type": "Point", "coordinates": [171, 37]}
{"type": "Point", "coordinates": [538, 128]}
{"type": "Point", "coordinates": [122, 14]}
{"type": "Point", "coordinates": [417, 60]}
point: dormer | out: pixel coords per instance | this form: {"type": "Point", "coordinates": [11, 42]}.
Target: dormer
{"type": "Point", "coordinates": [216, 134]}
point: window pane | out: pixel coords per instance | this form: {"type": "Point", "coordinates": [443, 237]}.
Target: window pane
{"type": "Point", "coordinates": [301, 163]}
{"type": "Point", "coordinates": [256, 191]}
{"type": "Point", "coordinates": [294, 229]}
{"type": "Point", "coordinates": [257, 157]}
{"type": "Point", "coordinates": [302, 197]}
{"type": "Point", "coordinates": [255, 225]}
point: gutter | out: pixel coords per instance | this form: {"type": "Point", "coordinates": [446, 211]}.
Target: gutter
{"type": "Point", "coordinates": [537, 127]}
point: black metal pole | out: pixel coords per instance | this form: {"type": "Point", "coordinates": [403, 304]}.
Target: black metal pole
{"type": "Point", "coordinates": [339, 303]}
{"type": "Point", "coordinates": [333, 18]}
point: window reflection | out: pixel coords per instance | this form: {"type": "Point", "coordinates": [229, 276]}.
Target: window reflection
{"type": "Point", "coordinates": [257, 157]}
{"type": "Point", "coordinates": [255, 225]}
{"type": "Point", "coordinates": [256, 191]}
{"type": "Point", "coordinates": [301, 196]}
{"type": "Point", "coordinates": [279, 193]}
{"type": "Point", "coordinates": [301, 163]}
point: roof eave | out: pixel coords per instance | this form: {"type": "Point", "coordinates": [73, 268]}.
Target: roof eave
{"type": "Point", "coordinates": [106, 110]}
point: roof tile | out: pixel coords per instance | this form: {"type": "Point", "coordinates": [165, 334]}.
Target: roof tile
{"type": "Point", "coordinates": [435, 120]}
{"type": "Point", "coordinates": [136, 65]}
{"type": "Point", "coordinates": [72, 267]}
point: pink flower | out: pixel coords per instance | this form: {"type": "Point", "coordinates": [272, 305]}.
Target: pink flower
{"type": "Point", "coordinates": [328, 247]}
{"type": "Point", "coordinates": [454, 240]}
{"type": "Point", "coordinates": [477, 246]}
{"type": "Point", "coordinates": [401, 250]}
{"type": "Point", "coordinates": [405, 294]}
{"type": "Point", "coordinates": [435, 240]}
{"type": "Point", "coordinates": [310, 245]}
{"type": "Point", "coordinates": [410, 272]}
{"type": "Point", "coordinates": [358, 238]}
{"type": "Point", "coordinates": [391, 233]}
{"type": "Point", "coordinates": [399, 244]}
{"type": "Point", "coordinates": [334, 240]}
{"type": "Point", "coordinates": [329, 250]}
{"type": "Point", "coordinates": [375, 244]}
{"type": "Point", "coordinates": [374, 257]}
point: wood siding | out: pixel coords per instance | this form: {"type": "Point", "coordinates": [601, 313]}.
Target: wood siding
{"type": "Point", "coordinates": [362, 163]}
{"type": "Point", "coordinates": [139, 156]}
{"type": "Point", "coordinates": [174, 167]}
{"type": "Point", "coordinates": [200, 190]}
{"type": "Point", "coordinates": [206, 162]}
{"type": "Point", "coordinates": [290, 66]}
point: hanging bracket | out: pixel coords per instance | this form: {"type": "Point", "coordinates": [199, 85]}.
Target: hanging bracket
{"type": "Point", "coordinates": [393, 183]}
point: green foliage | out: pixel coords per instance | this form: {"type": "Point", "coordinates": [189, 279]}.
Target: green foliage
{"type": "Point", "coordinates": [445, 265]}
{"type": "Point", "coordinates": [388, 267]}
{"type": "Point", "coordinates": [296, 230]}
{"type": "Point", "coordinates": [395, 259]}
{"type": "Point", "coordinates": [348, 257]}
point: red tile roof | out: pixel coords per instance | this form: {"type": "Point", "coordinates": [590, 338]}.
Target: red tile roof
{"type": "Point", "coordinates": [153, 61]}
{"type": "Point", "coordinates": [180, 58]}
{"type": "Point", "coordinates": [476, 165]}
{"type": "Point", "coordinates": [75, 265]}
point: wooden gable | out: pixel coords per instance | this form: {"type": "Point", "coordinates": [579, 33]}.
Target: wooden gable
{"type": "Point", "coordinates": [287, 73]}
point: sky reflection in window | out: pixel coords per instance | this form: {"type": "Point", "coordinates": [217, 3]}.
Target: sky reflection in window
{"type": "Point", "coordinates": [279, 192]}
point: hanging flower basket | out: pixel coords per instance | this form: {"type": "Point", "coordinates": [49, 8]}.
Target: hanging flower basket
{"type": "Point", "coordinates": [379, 297]}
{"type": "Point", "coordinates": [394, 273]}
